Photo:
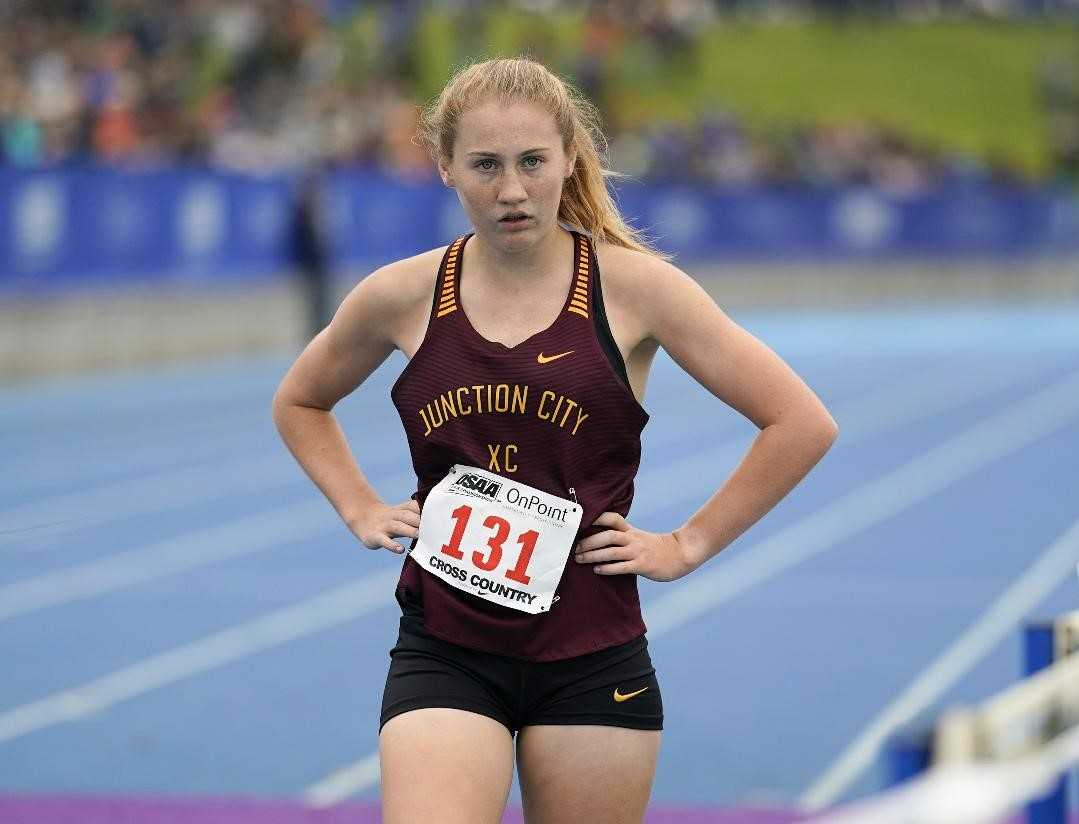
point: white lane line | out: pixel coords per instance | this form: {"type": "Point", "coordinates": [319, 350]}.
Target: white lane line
{"type": "Point", "coordinates": [243, 536]}
{"type": "Point", "coordinates": [150, 495]}
{"type": "Point", "coordinates": [345, 782]}
{"type": "Point", "coordinates": [112, 452]}
{"type": "Point", "coordinates": [190, 391]}
{"type": "Point", "coordinates": [177, 437]}
{"type": "Point", "coordinates": [156, 492]}
{"type": "Point", "coordinates": [171, 556]}
{"type": "Point", "coordinates": [992, 438]}
{"type": "Point", "coordinates": [322, 612]}
{"type": "Point", "coordinates": [1054, 564]}
{"type": "Point", "coordinates": [930, 392]}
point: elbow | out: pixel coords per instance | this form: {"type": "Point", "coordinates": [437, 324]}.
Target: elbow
{"type": "Point", "coordinates": [811, 431]}
{"type": "Point", "coordinates": [279, 406]}
{"type": "Point", "coordinates": [287, 401]}
{"type": "Point", "coordinates": [815, 429]}
{"type": "Point", "coordinates": [825, 430]}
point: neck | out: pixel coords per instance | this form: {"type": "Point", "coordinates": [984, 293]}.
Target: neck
{"type": "Point", "coordinates": [516, 268]}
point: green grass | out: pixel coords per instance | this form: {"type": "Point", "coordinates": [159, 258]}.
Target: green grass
{"type": "Point", "coordinates": [970, 86]}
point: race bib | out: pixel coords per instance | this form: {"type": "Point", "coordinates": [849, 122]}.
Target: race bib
{"type": "Point", "coordinates": [495, 538]}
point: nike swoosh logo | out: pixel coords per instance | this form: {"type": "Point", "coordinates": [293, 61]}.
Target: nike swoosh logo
{"type": "Point", "coordinates": [541, 358]}
{"type": "Point", "coordinates": [619, 697]}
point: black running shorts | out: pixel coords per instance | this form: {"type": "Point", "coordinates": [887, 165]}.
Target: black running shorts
{"type": "Point", "coordinates": [613, 687]}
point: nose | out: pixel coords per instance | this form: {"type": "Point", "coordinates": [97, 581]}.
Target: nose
{"type": "Point", "coordinates": [510, 189]}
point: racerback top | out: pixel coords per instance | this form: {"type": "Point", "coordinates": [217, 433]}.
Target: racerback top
{"type": "Point", "coordinates": [554, 412]}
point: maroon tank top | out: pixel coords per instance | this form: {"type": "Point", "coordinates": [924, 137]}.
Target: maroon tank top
{"type": "Point", "coordinates": [554, 412]}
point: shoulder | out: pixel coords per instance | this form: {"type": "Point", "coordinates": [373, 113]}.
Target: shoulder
{"type": "Point", "coordinates": [632, 270]}
{"type": "Point", "coordinates": [403, 283]}
{"type": "Point", "coordinates": [393, 298]}
{"type": "Point", "coordinates": [646, 288]}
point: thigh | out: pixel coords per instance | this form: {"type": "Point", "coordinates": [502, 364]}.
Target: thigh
{"type": "Point", "coordinates": [426, 672]}
{"type": "Point", "coordinates": [444, 765]}
{"type": "Point", "coordinates": [598, 774]}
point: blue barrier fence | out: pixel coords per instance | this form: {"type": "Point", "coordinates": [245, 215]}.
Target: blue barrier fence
{"type": "Point", "coordinates": [90, 225]}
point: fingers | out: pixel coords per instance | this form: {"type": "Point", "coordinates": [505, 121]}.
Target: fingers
{"type": "Point", "coordinates": [396, 529]}
{"type": "Point", "coordinates": [406, 513]}
{"type": "Point", "coordinates": [611, 519]}
{"type": "Point", "coordinates": [599, 556]}
{"type": "Point", "coordinates": [615, 569]}
{"type": "Point", "coordinates": [399, 528]}
{"type": "Point", "coordinates": [386, 542]}
{"type": "Point", "coordinates": [401, 520]}
{"type": "Point", "coordinates": [404, 516]}
{"type": "Point", "coordinates": [609, 537]}
{"type": "Point", "coordinates": [610, 550]}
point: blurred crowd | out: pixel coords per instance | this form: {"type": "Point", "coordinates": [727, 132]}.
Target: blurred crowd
{"type": "Point", "coordinates": [718, 149]}
{"type": "Point", "coordinates": [263, 84]}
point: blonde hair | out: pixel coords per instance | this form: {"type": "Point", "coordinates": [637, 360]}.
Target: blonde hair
{"type": "Point", "coordinates": [586, 202]}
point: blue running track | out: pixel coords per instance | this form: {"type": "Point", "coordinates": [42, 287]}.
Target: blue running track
{"type": "Point", "coordinates": [182, 614]}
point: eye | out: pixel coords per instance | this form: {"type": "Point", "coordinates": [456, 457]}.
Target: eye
{"type": "Point", "coordinates": [536, 165]}
{"type": "Point", "coordinates": [479, 164]}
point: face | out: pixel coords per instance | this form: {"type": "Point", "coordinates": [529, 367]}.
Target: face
{"type": "Point", "coordinates": [507, 161]}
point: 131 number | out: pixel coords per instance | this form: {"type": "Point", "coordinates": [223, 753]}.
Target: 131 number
{"type": "Point", "coordinates": [490, 561]}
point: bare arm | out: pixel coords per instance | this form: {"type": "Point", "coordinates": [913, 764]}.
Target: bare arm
{"type": "Point", "coordinates": [796, 429]}
{"type": "Point", "coordinates": [338, 360]}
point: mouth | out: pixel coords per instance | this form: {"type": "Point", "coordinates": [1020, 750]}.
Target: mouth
{"type": "Point", "coordinates": [515, 218]}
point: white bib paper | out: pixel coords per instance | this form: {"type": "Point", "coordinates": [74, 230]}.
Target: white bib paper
{"type": "Point", "coordinates": [495, 538]}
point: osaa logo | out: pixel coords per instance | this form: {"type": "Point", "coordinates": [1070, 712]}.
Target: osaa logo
{"type": "Point", "coordinates": [479, 485]}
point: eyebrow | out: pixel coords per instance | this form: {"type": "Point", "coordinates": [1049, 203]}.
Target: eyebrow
{"type": "Point", "coordinates": [496, 154]}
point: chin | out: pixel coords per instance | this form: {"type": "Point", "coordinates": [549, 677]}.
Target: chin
{"type": "Point", "coordinates": [527, 234]}
{"type": "Point", "coordinates": [522, 240]}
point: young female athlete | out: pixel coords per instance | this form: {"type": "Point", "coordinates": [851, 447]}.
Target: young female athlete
{"type": "Point", "coordinates": [521, 402]}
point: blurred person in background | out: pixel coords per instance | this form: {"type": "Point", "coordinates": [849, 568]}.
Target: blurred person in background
{"type": "Point", "coordinates": [309, 253]}
{"type": "Point", "coordinates": [1060, 97]}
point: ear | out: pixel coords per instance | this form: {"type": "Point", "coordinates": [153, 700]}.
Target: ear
{"type": "Point", "coordinates": [445, 172]}
{"type": "Point", "coordinates": [571, 162]}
